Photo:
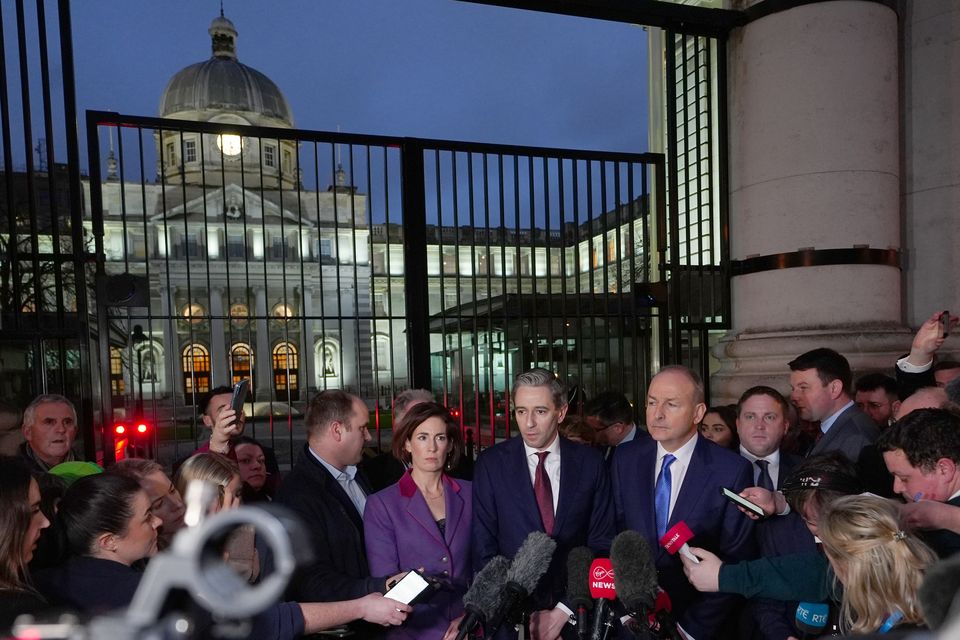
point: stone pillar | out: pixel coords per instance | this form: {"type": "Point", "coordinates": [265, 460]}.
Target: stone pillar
{"type": "Point", "coordinates": [931, 167]}
{"type": "Point", "coordinates": [173, 365]}
{"type": "Point", "coordinates": [814, 164]}
{"type": "Point", "coordinates": [263, 360]}
{"type": "Point", "coordinates": [219, 368]}
{"type": "Point", "coordinates": [307, 357]}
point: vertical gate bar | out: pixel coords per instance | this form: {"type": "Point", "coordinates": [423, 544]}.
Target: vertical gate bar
{"type": "Point", "coordinates": [508, 401]}
{"type": "Point", "coordinates": [415, 262]}
{"type": "Point", "coordinates": [444, 389]}
{"type": "Point", "coordinates": [14, 237]}
{"type": "Point", "coordinates": [672, 252]}
{"type": "Point", "coordinates": [456, 275]}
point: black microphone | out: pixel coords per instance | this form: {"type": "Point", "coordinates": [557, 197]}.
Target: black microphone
{"type": "Point", "coordinates": [578, 588]}
{"type": "Point", "coordinates": [938, 594]}
{"type": "Point", "coordinates": [529, 564]}
{"type": "Point", "coordinates": [635, 578]}
{"type": "Point", "coordinates": [482, 597]}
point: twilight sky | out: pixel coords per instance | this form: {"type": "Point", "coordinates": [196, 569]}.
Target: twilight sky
{"type": "Point", "coordinates": [426, 68]}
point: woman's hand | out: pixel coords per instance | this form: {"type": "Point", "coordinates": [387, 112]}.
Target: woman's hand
{"type": "Point", "coordinates": [452, 629]}
{"type": "Point", "coordinates": [705, 576]}
{"type": "Point", "coordinates": [384, 611]}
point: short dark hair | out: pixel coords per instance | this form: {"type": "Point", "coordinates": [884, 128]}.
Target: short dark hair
{"type": "Point", "coordinates": [819, 480]}
{"type": "Point", "coordinates": [101, 503]}
{"type": "Point", "coordinates": [330, 405]}
{"type": "Point", "coordinates": [610, 407]}
{"type": "Point", "coordinates": [727, 413]}
{"type": "Point", "coordinates": [216, 391]}
{"type": "Point", "coordinates": [872, 381]}
{"type": "Point", "coordinates": [761, 390]}
{"type": "Point", "coordinates": [829, 364]}
{"type": "Point", "coordinates": [924, 436]}
{"type": "Point", "coordinates": [417, 415]}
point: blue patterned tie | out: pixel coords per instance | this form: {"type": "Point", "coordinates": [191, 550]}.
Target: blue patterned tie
{"type": "Point", "coordinates": [661, 494]}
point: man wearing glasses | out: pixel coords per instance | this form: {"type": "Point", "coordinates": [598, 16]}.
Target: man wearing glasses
{"type": "Point", "coordinates": [610, 415]}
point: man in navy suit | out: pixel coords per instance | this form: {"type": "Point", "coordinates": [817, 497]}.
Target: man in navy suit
{"type": "Point", "coordinates": [541, 482]}
{"type": "Point", "coordinates": [676, 476]}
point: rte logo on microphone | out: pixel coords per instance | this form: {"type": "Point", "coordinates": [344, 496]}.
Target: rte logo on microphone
{"type": "Point", "coordinates": [601, 579]}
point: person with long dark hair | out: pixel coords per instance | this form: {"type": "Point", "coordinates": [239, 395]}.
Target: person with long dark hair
{"type": "Point", "coordinates": [423, 521]}
{"type": "Point", "coordinates": [21, 522]}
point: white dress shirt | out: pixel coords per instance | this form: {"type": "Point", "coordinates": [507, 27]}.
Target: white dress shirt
{"type": "Point", "coordinates": [678, 470]}
{"type": "Point", "coordinates": [773, 467]}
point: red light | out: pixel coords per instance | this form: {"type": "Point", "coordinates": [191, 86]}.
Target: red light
{"type": "Point", "coordinates": [141, 428]}
{"type": "Point", "coordinates": [120, 429]}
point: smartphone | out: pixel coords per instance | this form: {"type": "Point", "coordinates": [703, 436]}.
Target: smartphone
{"type": "Point", "coordinates": [409, 588]}
{"type": "Point", "coordinates": [945, 323]}
{"type": "Point", "coordinates": [239, 395]}
{"type": "Point", "coordinates": [743, 502]}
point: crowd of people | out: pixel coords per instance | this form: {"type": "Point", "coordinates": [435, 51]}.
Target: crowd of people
{"type": "Point", "coordinates": [858, 483]}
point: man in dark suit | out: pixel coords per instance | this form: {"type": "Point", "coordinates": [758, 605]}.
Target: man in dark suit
{"type": "Point", "coordinates": [761, 425]}
{"type": "Point", "coordinates": [820, 388]}
{"type": "Point", "coordinates": [922, 451]}
{"type": "Point", "coordinates": [676, 476]}
{"type": "Point", "coordinates": [324, 490]}
{"type": "Point", "coordinates": [610, 415]}
{"type": "Point", "coordinates": [541, 482]}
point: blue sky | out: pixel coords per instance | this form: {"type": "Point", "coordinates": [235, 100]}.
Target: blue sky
{"type": "Point", "coordinates": [426, 68]}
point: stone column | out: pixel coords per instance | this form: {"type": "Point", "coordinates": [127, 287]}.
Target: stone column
{"type": "Point", "coordinates": [173, 365]}
{"type": "Point", "coordinates": [932, 165]}
{"type": "Point", "coordinates": [814, 164]}
{"type": "Point", "coordinates": [263, 359]}
{"type": "Point", "coordinates": [307, 357]}
{"type": "Point", "coordinates": [219, 368]}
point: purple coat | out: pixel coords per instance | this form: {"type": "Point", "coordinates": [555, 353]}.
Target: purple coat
{"type": "Point", "coordinates": [401, 534]}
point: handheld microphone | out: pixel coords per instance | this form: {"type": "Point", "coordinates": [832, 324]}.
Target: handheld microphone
{"type": "Point", "coordinates": [635, 578]}
{"type": "Point", "coordinates": [528, 566]}
{"type": "Point", "coordinates": [603, 589]}
{"type": "Point", "coordinates": [676, 539]}
{"type": "Point", "coordinates": [812, 618]}
{"type": "Point", "coordinates": [578, 590]}
{"type": "Point", "coordinates": [481, 598]}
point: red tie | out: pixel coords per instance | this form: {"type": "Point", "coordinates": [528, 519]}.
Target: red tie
{"type": "Point", "coordinates": [544, 494]}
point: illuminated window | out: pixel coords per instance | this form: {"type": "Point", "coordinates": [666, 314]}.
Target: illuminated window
{"type": "Point", "coordinates": [286, 361]}
{"type": "Point", "coordinates": [241, 362]}
{"type": "Point", "coordinates": [117, 384]}
{"type": "Point", "coordinates": [196, 369]}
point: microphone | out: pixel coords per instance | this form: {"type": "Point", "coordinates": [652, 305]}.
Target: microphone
{"type": "Point", "coordinates": [812, 618]}
{"type": "Point", "coordinates": [481, 598]}
{"type": "Point", "coordinates": [635, 578]}
{"type": "Point", "coordinates": [578, 591]}
{"type": "Point", "coordinates": [528, 566]}
{"type": "Point", "coordinates": [603, 589]}
{"type": "Point", "coordinates": [676, 538]}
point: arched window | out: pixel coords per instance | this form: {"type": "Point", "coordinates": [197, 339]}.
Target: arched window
{"type": "Point", "coordinates": [196, 369]}
{"type": "Point", "coordinates": [118, 385]}
{"type": "Point", "coordinates": [286, 363]}
{"type": "Point", "coordinates": [381, 352]}
{"type": "Point", "coordinates": [241, 362]}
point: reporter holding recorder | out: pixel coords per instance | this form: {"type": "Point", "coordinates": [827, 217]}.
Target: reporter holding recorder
{"type": "Point", "coordinates": [423, 521]}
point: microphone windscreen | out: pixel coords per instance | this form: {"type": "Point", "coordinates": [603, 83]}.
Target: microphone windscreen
{"type": "Point", "coordinates": [578, 577]}
{"type": "Point", "coordinates": [938, 591]}
{"type": "Point", "coordinates": [531, 561]}
{"type": "Point", "coordinates": [484, 593]}
{"type": "Point", "coordinates": [812, 617]}
{"type": "Point", "coordinates": [634, 573]}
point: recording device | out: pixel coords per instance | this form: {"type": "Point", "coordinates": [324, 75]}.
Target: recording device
{"type": "Point", "coordinates": [603, 589]}
{"type": "Point", "coordinates": [408, 588]}
{"type": "Point", "coordinates": [529, 564]}
{"type": "Point", "coordinates": [812, 618]}
{"type": "Point", "coordinates": [240, 391]}
{"type": "Point", "coordinates": [635, 576]}
{"type": "Point", "coordinates": [945, 323]}
{"type": "Point", "coordinates": [194, 564]}
{"type": "Point", "coordinates": [481, 599]}
{"type": "Point", "coordinates": [578, 589]}
{"type": "Point", "coordinates": [675, 540]}
{"type": "Point", "coordinates": [741, 501]}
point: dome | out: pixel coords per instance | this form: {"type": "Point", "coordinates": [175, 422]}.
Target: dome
{"type": "Point", "coordinates": [223, 83]}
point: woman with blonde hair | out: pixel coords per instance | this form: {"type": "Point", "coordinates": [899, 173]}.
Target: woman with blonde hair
{"type": "Point", "coordinates": [217, 470]}
{"type": "Point", "coordinates": [879, 564]}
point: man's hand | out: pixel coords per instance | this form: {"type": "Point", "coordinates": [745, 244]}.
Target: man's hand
{"type": "Point", "coordinates": [452, 629]}
{"type": "Point", "coordinates": [928, 339]}
{"type": "Point", "coordinates": [547, 624]}
{"type": "Point", "coordinates": [771, 502]}
{"type": "Point", "coordinates": [705, 576]}
{"type": "Point", "coordinates": [227, 426]}
{"type": "Point", "coordinates": [391, 582]}
{"type": "Point", "coordinates": [385, 611]}
{"type": "Point", "coordinates": [930, 514]}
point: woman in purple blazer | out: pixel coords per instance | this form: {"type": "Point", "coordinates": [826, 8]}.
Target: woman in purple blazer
{"type": "Point", "coordinates": [423, 521]}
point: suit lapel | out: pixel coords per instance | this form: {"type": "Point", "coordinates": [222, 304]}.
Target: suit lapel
{"type": "Point", "coordinates": [454, 506]}
{"type": "Point", "coordinates": [331, 485]}
{"type": "Point", "coordinates": [418, 510]}
{"type": "Point", "coordinates": [695, 482]}
{"type": "Point", "coordinates": [833, 433]}
{"type": "Point", "coordinates": [517, 482]}
{"type": "Point", "coordinates": [570, 477]}
{"type": "Point", "coordinates": [645, 497]}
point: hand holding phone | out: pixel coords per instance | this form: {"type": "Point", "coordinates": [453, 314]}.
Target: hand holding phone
{"type": "Point", "coordinates": [945, 323]}
{"type": "Point", "coordinates": [239, 395]}
{"type": "Point", "coordinates": [742, 502]}
{"type": "Point", "coordinates": [408, 588]}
